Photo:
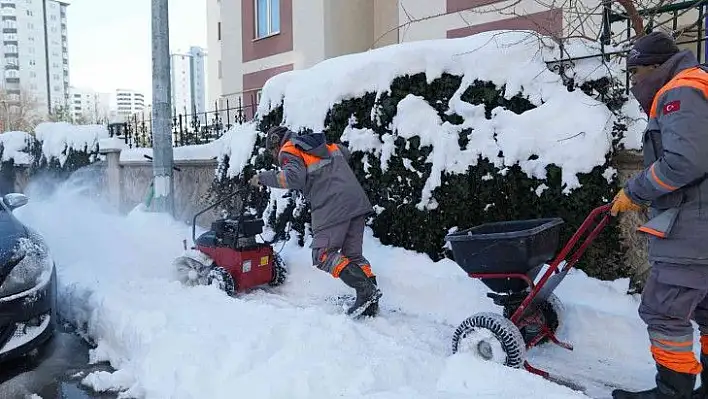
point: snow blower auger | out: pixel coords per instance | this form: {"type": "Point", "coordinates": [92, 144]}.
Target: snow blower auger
{"type": "Point", "coordinates": [229, 255]}
{"type": "Point", "coordinates": [507, 257]}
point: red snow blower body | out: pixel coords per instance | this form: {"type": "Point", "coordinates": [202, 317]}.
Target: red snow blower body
{"type": "Point", "coordinates": [233, 247]}
{"type": "Point", "coordinates": [230, 256]}
{"type": "Point", "coordinates": [508, 257]}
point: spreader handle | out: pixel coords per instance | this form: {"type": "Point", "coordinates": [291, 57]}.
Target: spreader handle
{"type": "Point", "coordinates": [603, 211]}
{"type": "Point", "coordinates": [590, 220]}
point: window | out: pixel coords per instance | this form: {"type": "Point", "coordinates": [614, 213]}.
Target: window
{"type": "Point", "coordinates": [218, 30]}
{"type": "Point", "coordinates": [267, 17]}
{"type": "Point", "coordinates": [219, 68]}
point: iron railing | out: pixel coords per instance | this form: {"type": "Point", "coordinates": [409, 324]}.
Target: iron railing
{"type": "Point", "coordinates": [650, 15]}
{"type": "Point", "coordinates": [187, 129]}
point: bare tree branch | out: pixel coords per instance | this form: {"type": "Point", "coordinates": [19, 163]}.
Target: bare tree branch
{"type": "Point", "coordinates": [18, 111]}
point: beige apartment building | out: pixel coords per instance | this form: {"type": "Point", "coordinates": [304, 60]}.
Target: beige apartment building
{"type": "Point", "coordinates": [252, 40]}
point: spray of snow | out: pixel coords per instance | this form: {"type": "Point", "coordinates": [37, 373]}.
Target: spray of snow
{"type": "Point", "coordinates": [116, 281]}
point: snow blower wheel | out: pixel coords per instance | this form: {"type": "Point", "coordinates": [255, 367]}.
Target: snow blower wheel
{"type": "Point", "coordinates": [491, 337]}
{"type": "Point", "coordinates": [279, 271]}
{"type": "Point", "coordinates": [223, 280]}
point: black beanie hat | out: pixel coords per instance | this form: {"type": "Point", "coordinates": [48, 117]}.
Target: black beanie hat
{"type": "Point", "coordinates": [274, 137]}
{"type": "Point", "coordinates": [652, 49]}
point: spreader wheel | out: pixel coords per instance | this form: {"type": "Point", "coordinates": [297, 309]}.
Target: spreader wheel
{"type": "Point", "coordinates": [492, 337]}
{"type": "Point", "coordinates": [279, 271]}
{"type": "Point", "coordinates": [219, 276]}
{"type": "Point", "coordinates": [552, 310]}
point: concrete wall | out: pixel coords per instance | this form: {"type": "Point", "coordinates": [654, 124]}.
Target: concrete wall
{"type": "Point", "coordinates": [191, 186]}
{"type": "Point", "coordinates": [348, 27]}
{"type": "Point", "coordinates": [628, 165]}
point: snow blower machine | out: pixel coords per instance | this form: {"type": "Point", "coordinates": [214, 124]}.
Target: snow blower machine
{"type": "Point", "coordinates": [229, 256]}
{"type": "Point", "coordinates": [508, 257]}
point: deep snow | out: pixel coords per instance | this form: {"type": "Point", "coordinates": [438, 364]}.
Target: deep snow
{"type": "Point", "coordinates": [165, 340]}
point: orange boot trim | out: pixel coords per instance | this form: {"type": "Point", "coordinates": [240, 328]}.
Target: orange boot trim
{"type": "Point", "coordinates": [367, 270]}
{"type": "Point", "coordinates": [337, 270]}
{"type": "Point", "coordinates": [681, 361]}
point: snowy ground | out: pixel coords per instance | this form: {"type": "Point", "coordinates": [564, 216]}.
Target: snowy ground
{"type": "Point", "coordinates": [166, 340]}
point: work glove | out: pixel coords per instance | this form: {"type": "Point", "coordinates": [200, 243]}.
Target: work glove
{"type": "Point", "coordinates": [622, 203]}
{"type": "Point", "coordinates": [254, 181]}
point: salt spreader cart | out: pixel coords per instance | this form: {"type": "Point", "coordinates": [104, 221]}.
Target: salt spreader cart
{"type": "Point", "coordinates": [507, 257]}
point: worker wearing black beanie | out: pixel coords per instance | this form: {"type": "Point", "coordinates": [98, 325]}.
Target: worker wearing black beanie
{"type": "Point", "coordinates": [673, 90]}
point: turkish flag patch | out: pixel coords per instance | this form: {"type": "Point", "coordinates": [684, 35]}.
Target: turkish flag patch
{"type": "Point", "coordinates": [673, 106]}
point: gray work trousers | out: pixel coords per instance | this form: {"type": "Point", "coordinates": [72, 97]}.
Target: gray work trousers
{"type": "Point", "coordinates": [334, 247]}
{"type": "Point", "coordinates": [674, 295]}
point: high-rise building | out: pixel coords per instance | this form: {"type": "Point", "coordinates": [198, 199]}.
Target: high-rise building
{"type": "Point", "coordinates": [89, 106]}
{"type": "Point", "coordinates": [128, 103]}
{"type": "Point", "coordinates": [188, 81]}
{"type": "Point", "coordinates": [36, 54]}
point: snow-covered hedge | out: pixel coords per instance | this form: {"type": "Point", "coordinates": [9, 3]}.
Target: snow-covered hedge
{"type": "Point", "coordinates": [55, 149]}
{"type": "Point", "coordinates": [448, 134]}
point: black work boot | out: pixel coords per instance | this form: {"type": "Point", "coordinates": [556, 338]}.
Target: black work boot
{"type": "Point", "coordinates": [367, 293]}
{"type": "Point", "coordinates": [373, 309]}
{"type": "Point", "coordinates": [702, 391]}
{"type": "Point", "coordinates": [669, 385]}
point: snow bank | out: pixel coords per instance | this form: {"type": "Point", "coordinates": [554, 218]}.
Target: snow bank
{"type": "Point", "coordinates": [15, 149]}
{"type": "Point", "coordinates": [570, 130]}
{"type": "Point", "coordinates": [58, 137]}
{"type": "Point", "coordinates": [237, 143]}
{"type": "Point", "coordinates": [203, 152]}
{"type": "Point", "coordinates": [166, 340]}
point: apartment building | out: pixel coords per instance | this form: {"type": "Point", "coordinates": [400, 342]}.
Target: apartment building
{"type": "Point", "coordinates": [36, 56]}
{"type": "Point", "coordinates": [89, 106]}
{"type": "Point", "coordinates": [128, 103]}
{"type": "Point", "coordinates": [253, 40]}
{"type": "Point", "coordinates": [188, 76]}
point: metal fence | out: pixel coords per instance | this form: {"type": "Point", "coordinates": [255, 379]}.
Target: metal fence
{"type": "Point", "coordinates": [187, 129]}
{"type": "Point", "coordinates": [651, 16]}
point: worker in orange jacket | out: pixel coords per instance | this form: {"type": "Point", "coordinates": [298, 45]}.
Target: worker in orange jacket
{"type": "Point", "coordinates": [339, 208]}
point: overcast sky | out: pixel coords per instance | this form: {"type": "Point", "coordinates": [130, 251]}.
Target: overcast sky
{"type": "Point", "coordinates": [109, 41]}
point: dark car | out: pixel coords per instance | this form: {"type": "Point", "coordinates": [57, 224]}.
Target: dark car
{"type": "Point", "coordinates": [27, 284]}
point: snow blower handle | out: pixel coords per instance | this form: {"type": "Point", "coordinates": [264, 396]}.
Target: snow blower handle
{"type": "Point", "coordinates": [212, 206]}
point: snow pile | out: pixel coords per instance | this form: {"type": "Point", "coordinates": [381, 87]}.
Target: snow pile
{"type": "Point", "coordinates": [569, 129]}
{"type": "Point", "coordinates": [112, 143]}
{"type": "Point", "coordinates": [58, 137]}
{"type": "Point", "coordinates": [237, 143]}
{"type": "Point", "coordinates": [166, 340]}
{"type": "Point", "coordinates": [636, 121]}
{"type": "Point", "coordinates": [190, 152]}
{"type": "Point", "coordinates": [14, 145]}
